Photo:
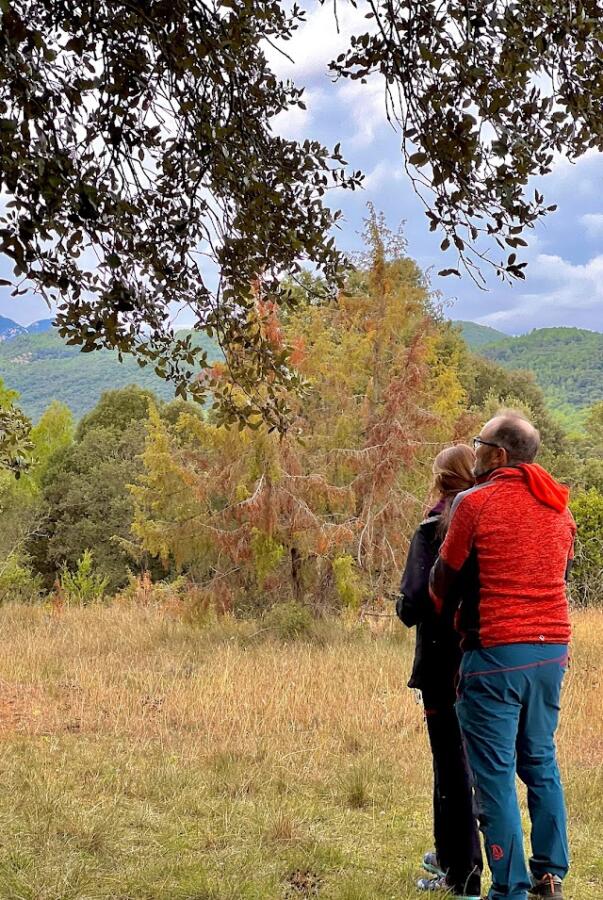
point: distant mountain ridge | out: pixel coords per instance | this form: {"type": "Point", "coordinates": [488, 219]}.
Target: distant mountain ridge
{"type": "Point", "coordinates": [567, 362]}
{"type": "Point", "coordinates": [10, 329]}
{"type": "Point", "coordinates": [478, 335]}
{"type": "Point", "coordinates": [42, 368]}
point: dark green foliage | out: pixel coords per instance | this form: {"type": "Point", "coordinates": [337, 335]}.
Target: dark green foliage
{"type": "Point", "coordinates": [85, 491]}
{"type": "Point", "coordinates": [587, 576]}
{"type": "Point", "coordinates": [42, 368]}
{"type": "Point", "coordinates": [139, 134]}
{"type": "Point", "coordinates": [88, 504]}
{"type": "Point", "coordinates": [484, 379]}
{"type": "Point", "coordinates": [306, 288]}
{"type": "Point", "coordinates": [117, 410]}
{"type": "Point", "coordinates": [567, 362]}
{"type": "Point", "coordinates": [593, 429]}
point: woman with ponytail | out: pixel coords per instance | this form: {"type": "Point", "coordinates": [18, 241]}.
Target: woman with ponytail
{"type": "Point", "coordinates": [456, 864]}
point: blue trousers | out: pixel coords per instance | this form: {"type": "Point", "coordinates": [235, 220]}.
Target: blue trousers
{"type": "Point", "coordinates": [508, 709]}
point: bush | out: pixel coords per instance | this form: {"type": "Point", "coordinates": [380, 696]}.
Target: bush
{"type": "Point", "coordinates": [347, 581]}
{"type": "Point", "coordinates": [17, 581]}
{"type": "Point", "coordinates": [289, 621]}
{"type": "Point", "coordinates": [586, 582]}
{"type": "Point", "coordinates": [84, 585]}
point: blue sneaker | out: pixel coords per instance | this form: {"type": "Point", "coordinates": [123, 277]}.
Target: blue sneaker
{"type": "Point", "coordinates": [431, 864]}
{"type": "Point", "coordinates": [440, 885]}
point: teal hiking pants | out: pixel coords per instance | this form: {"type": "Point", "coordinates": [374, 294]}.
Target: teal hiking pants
{"type": "Point", "coordinates": [508, 709]}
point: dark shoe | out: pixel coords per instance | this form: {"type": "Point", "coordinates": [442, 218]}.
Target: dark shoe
{"type": "Point", "coordinates": [431, 863]}
{"type": "Point", "coordinates": [441, 886]}
{"type": "Point", "coordinates": [547, 886]}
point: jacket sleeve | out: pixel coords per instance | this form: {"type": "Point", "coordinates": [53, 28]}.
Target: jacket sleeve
{"type": "Point", "coordinates": [413, 603]}
{"type": "Point", "coordinates": [454, 553]}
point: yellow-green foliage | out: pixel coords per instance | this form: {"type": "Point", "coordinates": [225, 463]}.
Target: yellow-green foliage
{"type": "Point", "coordinates": [267, 554]}
{"type": "Point", "coordinates": [84, 585]}
{"type": "Point", "coordinates": [587, 575]}
{"type": "Point", "coordinates": [347, 581]}
{"type": "Point", "coordinates": [446, 355]}
{"type": "Point", "coordinates": [170, 516]}
{"type": "Point", "coordinates": [17, 581]}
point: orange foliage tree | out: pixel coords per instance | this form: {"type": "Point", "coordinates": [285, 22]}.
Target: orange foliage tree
{"type": "Point", "coordinates": [322, 514]}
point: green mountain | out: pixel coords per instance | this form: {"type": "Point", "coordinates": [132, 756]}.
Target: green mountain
{"type": "Point", "coordinates": [478, 335]}
{"type": "Point", "coordinates": [567, 363]}
{"type": "Point", "coordinates": [43, 368]}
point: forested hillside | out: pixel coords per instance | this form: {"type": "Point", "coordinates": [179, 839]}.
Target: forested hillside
{"type": "Point", "coordinates": [478, 335]}
{"type": "Point", "coordinates": [42, 368]}
{"type": "Point", "coordinates": [567, 363]}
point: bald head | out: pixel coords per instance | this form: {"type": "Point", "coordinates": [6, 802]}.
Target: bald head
{"type": "Point", "coordinates": [515, 435]}
{"type": "Point", "coordinates": [506, 440]}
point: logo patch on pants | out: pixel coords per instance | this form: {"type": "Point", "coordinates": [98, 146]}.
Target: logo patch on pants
{"type": "Point", "coordinates": [497, 852]}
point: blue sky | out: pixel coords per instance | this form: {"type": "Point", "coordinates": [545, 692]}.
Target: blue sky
{"type": "Point", "coordinates": [564, 278]}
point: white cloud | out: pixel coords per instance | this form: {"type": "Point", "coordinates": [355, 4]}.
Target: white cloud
{"type": "Point", "coordinates": [294, 123]}
{"type": "Point", "coordinates": [576, 180]}
{"type": "Point", "coordinates": [574, 298]}
{"type": "Point", "coordinates": [562, 167]}
{"type": "Point", "coordinates": [365, 106]}
{"type": "Point", "coordinates": [593, 223]}
{"type": "Point", "coordinates": [382, 174]}
{"type": "Point", "coordinates": [317, 42]}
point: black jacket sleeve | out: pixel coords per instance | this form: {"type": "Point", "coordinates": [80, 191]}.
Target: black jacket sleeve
{"type": "Point", "coordinates": [413, 604]}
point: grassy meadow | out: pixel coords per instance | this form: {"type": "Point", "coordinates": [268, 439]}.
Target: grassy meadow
{"type": "Point", "coordinates": [144, 758]}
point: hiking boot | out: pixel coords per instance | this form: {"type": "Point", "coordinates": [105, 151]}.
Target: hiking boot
{"type": "Point", "coordinates": [431, 863]}
{"type": "Point", "coordinates": [440, 885]}
{"type": "Point", "coordinates": [547, 886]}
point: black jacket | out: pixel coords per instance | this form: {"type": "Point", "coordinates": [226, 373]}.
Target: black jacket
{"type": "Point", "coordinates": [437, 651]}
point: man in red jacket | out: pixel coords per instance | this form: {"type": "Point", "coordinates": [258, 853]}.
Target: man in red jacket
{"type": "Point", "coordinates": [511, 542]}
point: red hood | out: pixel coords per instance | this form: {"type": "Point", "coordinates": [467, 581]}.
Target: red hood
{"type": "Point", "coordinates": [542, 485]}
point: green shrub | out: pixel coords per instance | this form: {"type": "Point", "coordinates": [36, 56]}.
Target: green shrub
{"type": "Point", "coordinates": [84, 585]}
{"type": "Point", "coordinates": [289, 621]}
{"type": "Point", "coordinates": [267, 555]}
{"type": "Point", "coordinates": [586, 582]}
{"type": "Point", "coordinates": [356, 788]}
{"type": "Point", "coordinates": [347, 581]}
{"type": "Point", "coordinates": [17, 581]}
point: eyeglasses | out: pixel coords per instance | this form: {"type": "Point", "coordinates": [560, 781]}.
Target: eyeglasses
{"type": "Point", "coordinates": [478, 440]}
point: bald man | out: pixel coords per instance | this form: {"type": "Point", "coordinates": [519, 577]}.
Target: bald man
{"type": "Point", "coordinates": [510, 545]}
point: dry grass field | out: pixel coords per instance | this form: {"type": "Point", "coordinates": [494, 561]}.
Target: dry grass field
{"type": "Point", "coordinates": [142, 758]}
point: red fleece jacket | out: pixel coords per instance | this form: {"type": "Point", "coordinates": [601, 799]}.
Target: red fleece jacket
{"type": "Point", "coordinates": [511, 542]}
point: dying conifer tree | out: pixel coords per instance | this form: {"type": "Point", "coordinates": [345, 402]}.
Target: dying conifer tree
{"type": "Point", "coordinates": [323, 513]}
{"type": "Point", "coordinates": [238, 507]}
{"type": "Point", "coordinates": [385, 395]}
